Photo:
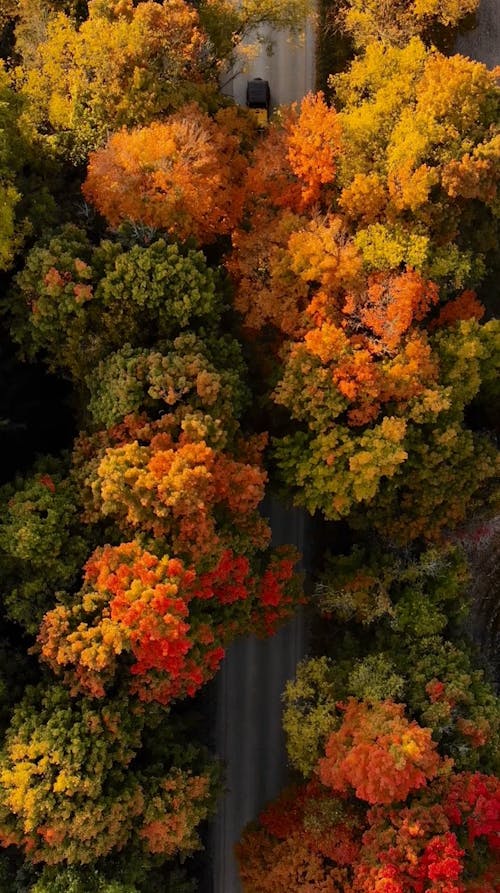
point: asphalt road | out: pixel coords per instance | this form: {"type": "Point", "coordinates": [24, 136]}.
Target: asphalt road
{"type": "Point", "coordinates": [249, 737]}
{"type": "Point", "coordinates": [483, 44]}
{"type": "Point", "coordinates": [289, 69]}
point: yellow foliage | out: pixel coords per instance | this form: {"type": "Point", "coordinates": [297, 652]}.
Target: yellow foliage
{"type": "Point", "coordinates": [322, 253]}
{"type": "Point", "coordinates": [114, 71]}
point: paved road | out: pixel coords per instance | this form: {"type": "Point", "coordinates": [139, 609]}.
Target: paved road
{"type": "Point", "coordinates": [249, 737]}
{"type": "Point", "coordinates": [483, 43]}
{"type": "Point", "coordinates": [289, 69]}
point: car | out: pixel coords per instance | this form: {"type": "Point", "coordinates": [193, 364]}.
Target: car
{"type": "Point", "coordinates": [259, 99]}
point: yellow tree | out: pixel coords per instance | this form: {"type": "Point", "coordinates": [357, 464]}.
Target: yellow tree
{"type": "Point", "coordinates": [124, 66]}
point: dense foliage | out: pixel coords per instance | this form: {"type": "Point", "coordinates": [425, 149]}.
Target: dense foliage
{"type": "Point", "coordinates": [308, 304]}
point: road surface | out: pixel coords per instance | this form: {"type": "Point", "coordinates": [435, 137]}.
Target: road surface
{"type": "Point", "coordinates": [290, 69]}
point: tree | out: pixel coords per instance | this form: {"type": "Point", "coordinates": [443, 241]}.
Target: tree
{"type": "Point", "coordinates": [42, 542]}
{"type": "Point", "coordinates": [170, 176]}
{"type": "Point", "coordinates": [410, 118]}
{"type": "Point", "coordinates": [396, 21]}
{"type": "Point", "coordinates": [191, 374]}
{"type": "Point", "coordinates": [70, 794]}
{"type": "Point", "coordinates": [74, 303]}
{"type": "Point", "coordinates": [123, 67]}
{"type": "Point", "coordinates": [10, 163]}
{"type": "Point", "coordinates": [378, 754]}
{"type": "Point", "coordinates": [441, 839]}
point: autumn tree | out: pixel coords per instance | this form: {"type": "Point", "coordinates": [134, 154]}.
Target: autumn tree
{"type": "Point", "coordinates": [378, 754]}
{"type": "Point", "coordinates": [73, 302]}
{"type": "Point", "coordinates": [357, 450]}
{"type": "Point", "coordinates": [421, 127]}
{"type": "Point", "coordinates": [397, 21]}
{"type": "Point", "coordinates": [406, 640]}
{"type": "Point", "coordinates": [43, 543]}
{"type": "Point", "coordinates": [70, 794]}
{"type": "Point", "coordinates": [288, 173]}
{"type": "Point", "coordinates": [191, 374]}
{"type": "Point", "coordinates": [439, 836]}
{"type": "Point", "coordinates": [124, 66]}
{"type": "Point", "coordinates": [373, 288]}
{"type": "Point", "coordinates": [170, 176]}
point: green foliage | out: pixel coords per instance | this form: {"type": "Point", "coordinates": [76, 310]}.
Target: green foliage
{"type": "Point", "coordinates": [74, 303]}
{"type": "Point", "coordinates": [71, 792]}
{"type": "Point", "coordinates": [451, 473]}
{"type": "Point", "coordinates": [193, 373]}
{"type": "Point", "coordinates": [419, 596]}
{"type": "Point", "coordinates": [95, 880]}
{"type": "Point", "coordinates": [462, 709]}
{"type": "Point", "coordinates": [309, 714]}
{"type": "Point", "coordinates": [374, 679]}
{"type": "Point", "coordinates": [416, 649]}
{"type": "Point", "coordinates": [411, 474]}
{"type": "Point", "coordinates": [11, 158]}
{"type": "Point", "coordinates": [42, 542]}
{"type": "Point", "coordinates": [71, 880]}
{"type": "Point", "coordinates": [354, 475]}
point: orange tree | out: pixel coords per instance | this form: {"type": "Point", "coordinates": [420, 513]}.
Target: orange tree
{"type": "Point", "coordinates": [419, 827]}
{"type": "Point", "coordinates": [181, 175]}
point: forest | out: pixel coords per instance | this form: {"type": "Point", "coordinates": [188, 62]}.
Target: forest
{"type": "Point", "coordinates": [197, 311]}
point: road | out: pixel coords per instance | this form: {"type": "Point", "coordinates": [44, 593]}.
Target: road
{"type": "Point", "coordinates": [249, 737]}
{"type": "Point", "coordinates": [289, 69]}
{"type": "Point", "coordinates": [483, 44]}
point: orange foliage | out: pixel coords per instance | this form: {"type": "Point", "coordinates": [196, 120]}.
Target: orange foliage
{"type": "Point", "coordinates": [475, 176]}
{"type": "Point", "coordinates": [268, 865]}
{"type": "Point", "coordinates": [466, 306]}
{"type": "Point", "coordinates": [392, 304]}
{"type": "Point", "coordinates": [201, 498]}
{"type": "Point", "coordinates": [313, 146]}
{"type": "Point", "coordinates": [160, 621]}
{"type": "Point", "coordinates": [379, 753]}
{"type": "Point", "coordinates": [180, 175]}
{"type": "Point", "coordinates": [371, 353]}
{"type": "Point", "coordinates": [132, 602]}
{"type": "Point", "coordinates": [267, 292]}
{"type": "Point", "coordinates": [171, 814]}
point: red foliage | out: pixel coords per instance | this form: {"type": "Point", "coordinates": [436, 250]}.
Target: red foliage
{"type": "Point", "coordinates": [379, 753]}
